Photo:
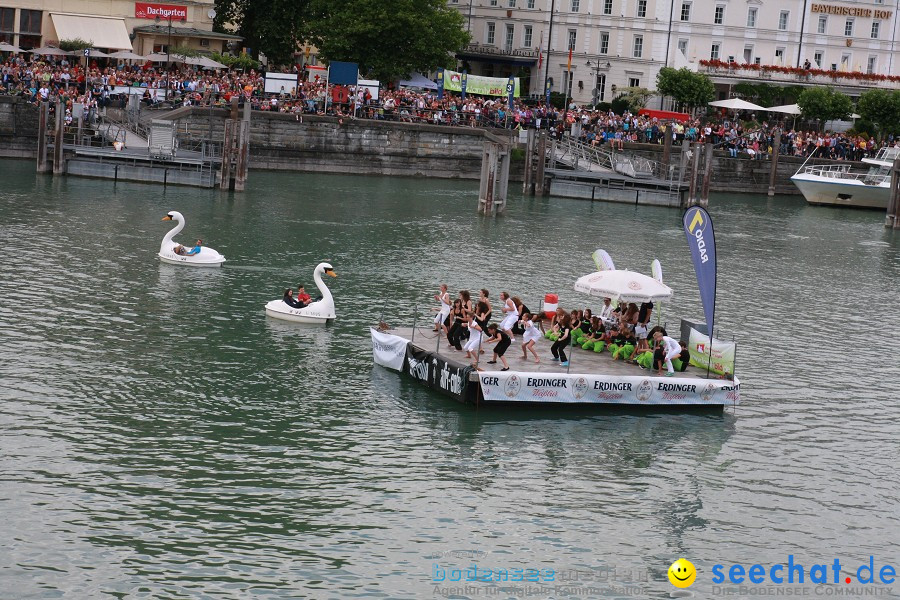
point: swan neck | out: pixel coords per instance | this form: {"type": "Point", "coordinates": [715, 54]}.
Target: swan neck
{"type": "Point", "coordinates": [323, 289]}
{"type": "Point", "coordinates": [179, 225]}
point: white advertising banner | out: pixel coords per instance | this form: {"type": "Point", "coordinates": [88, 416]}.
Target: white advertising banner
{"type": "Point", "coordinates": [388, 350]}
{"type": "Point", "coordinates": [503, 386]}
{"type": "Point", "coordinates": [722, 353]}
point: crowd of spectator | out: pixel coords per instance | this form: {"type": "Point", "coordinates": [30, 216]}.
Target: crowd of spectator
{"type": "Point", "coordinates": [66, 82]}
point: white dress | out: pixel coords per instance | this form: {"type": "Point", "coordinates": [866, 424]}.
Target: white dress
{"type": "Point", "coordinates": [512, 316]}
{"type": "Point", "coordinates": [531, 332]}
{"type": "Point", "coordinates": [444, 312]}
{"type": "Point", "coordinates": [474, 338]}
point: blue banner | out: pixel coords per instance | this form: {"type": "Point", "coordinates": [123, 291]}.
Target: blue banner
{"type": "Point", "coordinates": [440, 83]}
{"type": "Point", "coordinates": [698, 228]}
{"type": "Point", "coordinates": [547, 93]}
{"type": "Point", "coordinates": [343, 73]}
{"type": "Point", "coordinates": [464, 81]}
{"type": "Point", "coordinates": [511, 92]}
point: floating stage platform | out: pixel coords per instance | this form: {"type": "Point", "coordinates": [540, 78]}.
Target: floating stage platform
{"type": "Point", "coordinates": [592, 379]}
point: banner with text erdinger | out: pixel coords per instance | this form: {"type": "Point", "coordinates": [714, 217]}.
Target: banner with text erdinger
{"type": "Point", "coordinates": [500, 386]}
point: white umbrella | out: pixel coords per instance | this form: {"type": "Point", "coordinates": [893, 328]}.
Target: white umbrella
{"type": "Point", "coordinates": [50, 51]}
{"type": "Point", "coordinates": [736, 104]}
{"type": "Point", "coordinates": [4, 47]}
{"type": "Point", "coordinates": [208, 63]}
{"type": "Point", "coordinates": [98, 54]}
{"type": "Point", "coordinates": [162, 57]}
{"type": "Point", "coordinates": [626, 286]}
{"type": "Point", "coordinates": [788, 109]}
{"type": "Point", "coordinates": [127, 55]}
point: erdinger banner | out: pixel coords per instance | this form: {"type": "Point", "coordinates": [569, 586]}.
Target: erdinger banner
{"type": "Point", "coordinates": [150, 10]}
{"type": "Point", "coordinates": [500, 386]}
{"type": "Point", "coordinates": [698, 228]}
{"type": "Point", "coordinates": [388, 350]}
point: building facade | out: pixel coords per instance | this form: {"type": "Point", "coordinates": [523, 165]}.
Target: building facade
{"type": "Point", "coordinates": [143, 27]}
{"type": "Point", "coordinates": [621, 43]}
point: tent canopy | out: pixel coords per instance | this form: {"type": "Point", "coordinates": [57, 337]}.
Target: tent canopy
{"type": "Point", "coordinates": [4, 47]}
{"type": "Point", "coordinates": [420, 81]}
{"type": "Point", "coordinates": [50, 51]}
{"type": "Point", "coordinates": [788, 109]}
{"type": "Point", "coordinates": [736, 104]}
{"type": "Point", "coordinates": [626, 286]}
{"type": "Point", "coordinates": [102, 32]}
{"type": "Point", "coordinates": [127, 55]}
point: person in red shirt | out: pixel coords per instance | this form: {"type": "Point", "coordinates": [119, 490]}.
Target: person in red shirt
{"type": "Point", "coordinates": [302, 296]}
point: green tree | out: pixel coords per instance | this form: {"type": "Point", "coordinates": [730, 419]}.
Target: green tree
{"type": "Point", "coordinates": [881, 108]}
{"type": "Point", "coordinates": [631, 99]}
{"type": "Point", "coordinates": [388, 38]}
{"type": "Point", "coordinates": [824, 104]}
{"type": "Point", "coordinates": [685, 87]}
{"type": "Point", "coordinates": [75, 44]}
{"type": "Point", "coordinates": [273, 27]}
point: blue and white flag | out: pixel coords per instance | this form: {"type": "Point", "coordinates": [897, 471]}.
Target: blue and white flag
{"type": "Point", "coordinates": [698, 228]}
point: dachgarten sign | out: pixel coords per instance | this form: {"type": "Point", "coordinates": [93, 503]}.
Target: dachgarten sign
{"type": "Point", "coordinates": [149, 10]}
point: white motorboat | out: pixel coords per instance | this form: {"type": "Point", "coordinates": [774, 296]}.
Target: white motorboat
{"type": "Point", "coordinates": [320, 311]}
{"type": "Point", "coordinates": [204, 257]}
{"type": "Point", "coordinates": [839, 185]}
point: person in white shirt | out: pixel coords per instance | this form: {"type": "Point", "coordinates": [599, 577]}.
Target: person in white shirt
{"type": "Point", "coordinates": [668, 349]}
{"type": "Point", "coordinates": [606, 312]}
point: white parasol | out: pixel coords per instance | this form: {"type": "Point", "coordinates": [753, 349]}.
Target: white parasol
{"type": "Point", "coordinates": [4, 47]}
{"type": "Point", "coordinates": [127, 55]}
{"type": "Point", "coordinates": [50, 51]}
{"type": "Point", "coordinates": [736, 104]}
{"type": "Point", "coordinates": [626, 286]}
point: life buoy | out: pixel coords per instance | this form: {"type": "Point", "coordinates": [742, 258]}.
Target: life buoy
{"type": "Point", "coordinates": [551, 301]}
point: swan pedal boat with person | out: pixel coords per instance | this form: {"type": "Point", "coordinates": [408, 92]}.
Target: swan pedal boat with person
{"type": "Point", "coordinates": [319, 311]}
{"type": "Point", "coordinates": [206, 257]}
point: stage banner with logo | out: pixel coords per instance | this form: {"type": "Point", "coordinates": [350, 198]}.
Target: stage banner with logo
{"type": "Point", "coordinates": [701, 350]}
{"type": "Point", "coordinates": [388, 350]}
{"type": "Point", "coordinates": [440, 83]}
{"type": "Point", "coordinates": [478, 84]}
{"type": "Point", "coordinates": [698, 228]}
{"type": "Point", "coordinates": [417, 365]}
{"type": "Point", "coordinates": [500, 386]}
{"type": "Point", "coordinates": [451, 378]}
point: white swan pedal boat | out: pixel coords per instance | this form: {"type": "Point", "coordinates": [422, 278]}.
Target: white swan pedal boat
{"type": "Point", "coordinates": [320, 311]}
{"type": "Point", "coordinates": [207, 257]}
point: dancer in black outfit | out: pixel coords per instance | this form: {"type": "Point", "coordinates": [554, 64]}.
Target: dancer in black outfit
{"type": "Point", "coordinates": [502, 340]}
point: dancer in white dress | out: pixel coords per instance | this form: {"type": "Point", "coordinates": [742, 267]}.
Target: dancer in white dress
{"type": "Point", "coordinates": [444, 298]}
{"type": "Point", "coordinates": [477, 324]}
{"type": "Point", "coordinates": [510, 315]}
{"type": "Point", "coordinates": [531, 336]}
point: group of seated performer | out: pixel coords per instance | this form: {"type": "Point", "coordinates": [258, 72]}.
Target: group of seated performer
{"type": "Point", "coordinates": [301, 301]}
{"type": "Point", "coordinates": [624, 331]}
{"type": "Point", "coordinates": [182, 251]}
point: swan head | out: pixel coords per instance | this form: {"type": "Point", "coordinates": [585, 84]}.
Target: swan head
{"type": "Point", "coordinates": [173, 215]}
{"type": "Point", "coordinates": [326, 268]}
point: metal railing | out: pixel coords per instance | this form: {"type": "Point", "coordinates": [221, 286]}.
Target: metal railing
{"type": "Point", "coordinates": [842, 172]}
{"type": "Point", "coordinates": [592, 158]}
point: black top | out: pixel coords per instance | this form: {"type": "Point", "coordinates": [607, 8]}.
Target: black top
{"type": "Point", "coordinates": [644, 312]}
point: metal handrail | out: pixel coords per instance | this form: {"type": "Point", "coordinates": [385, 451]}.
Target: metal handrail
{"type": "Point", "coordinates": [625, 164]}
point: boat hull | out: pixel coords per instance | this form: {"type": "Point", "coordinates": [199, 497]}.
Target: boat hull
{"type": "Point", "coordinates": [837, 192]}
{"type": "Point", "coordinates": [176, 259]}
{"type": "Point", "coordinates": [279, 310]}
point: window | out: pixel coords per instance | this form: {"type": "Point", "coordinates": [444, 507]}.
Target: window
{"type": "Point", "coordinates": [529, 4]}
{"type": "Point", "coordinates": [876, 26]}
{"type": "Point", "coordinates": [607, 7]}
{"type": "Point", "coordinates": [823, 24]}
{"type": "Point", "coordinates": [845, 60]}
{"type": "Point", "coordinates": [493, 2]}
{"type": "Point", "coordinates": [817, 58]}
{"type": "Point", "coordinates": [871, 64]}
{"type": "Point", "coordinates": [641, 8]}
{"type": "Point", "coordinates": [634, 82]}
{"type": "Point", "coordinates": [783, 20]}
{"type": "Point", "coordinates": [779, 56]}
{"type": "Point", "coordinates": [7, 24]}
{"type": "Point", "coordinates": [491, 31]}
{"type": "Point", "coordinates": [526, 39]}
{"type": "Point", "coordinates": [638, 48]}
{"type": "Point", "coordinates": [848, 28]}
{"type": "Point", "coordinates": [576, 4]}
{"type": "Point", "coordinates": [751, 16]}
{"type": "Point", "coordinates": [510, 36]}
{"type": "Point", "coordinates": [511, 4]}
{"type": "Point", "coordinates": [748, 54]}
{"type": "Point", "coordinates": [600, 87]}
{"type": "Point", "coordinates": [685, 11]}
{"type": "Point", "coordinates": [719, 17]}
{"type": "Point", "coordinates": [30, 21]}
{"type": "Point", "coordinates": [714, 51]}
{"type": "Point", "coordinates": [604, 42]}
{"type": "Point", "coordinates": [572, 34]}
{"type": "Point", "coordinates": [682, 46]}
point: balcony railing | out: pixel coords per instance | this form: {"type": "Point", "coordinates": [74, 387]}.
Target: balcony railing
{"type": "Point", "coordinates": [797, 75]}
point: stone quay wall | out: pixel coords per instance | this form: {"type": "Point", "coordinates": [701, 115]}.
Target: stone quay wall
{"type": "Point", "coordinates": [18, 128]}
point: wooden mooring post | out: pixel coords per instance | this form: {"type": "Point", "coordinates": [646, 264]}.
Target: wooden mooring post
{"type": "Point", "coordinates": [707, 173]}
{"type": "Point", "coordinates": [528, 184]}
{"type": "Point", "coordinates": [540, 184]}
{"type": "Point", "coordinates": [43, 165]}
{"type": "Point", "coordinates": [494, 183]}
{"type": "Point", "coordinates": [235, 150]}
{"type": "Point", "coordinates": [227, 152]}
{"type": "Point", "coordinates": [773, 173]}
{"type": "Point", "coordinates": [59, 164]}
{"type": "Point", "coordinates": [892, 219]}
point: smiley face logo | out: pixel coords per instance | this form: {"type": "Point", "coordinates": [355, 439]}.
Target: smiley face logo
{"type": "Point", "coordinates": [682, 573]}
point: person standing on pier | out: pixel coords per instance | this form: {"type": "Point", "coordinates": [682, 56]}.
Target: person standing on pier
{"type": "Point", "coordinates": [444, 311]}
{"type": "Point", "coordinates": [530, 336]}
{"type": "Point", "coordinates": [502, 340]}
{"type": "Point", "coordinates": [559, 346]}
{"type": "Point", "coordinates": [510, 315]}
{"type": "Point", "coordinates": [477, 325]}
{"type": "Point", "coordinates": [667, 350]}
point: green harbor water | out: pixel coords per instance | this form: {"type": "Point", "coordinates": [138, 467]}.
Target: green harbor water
{"type": "Point", "coordinates": [160, 437]}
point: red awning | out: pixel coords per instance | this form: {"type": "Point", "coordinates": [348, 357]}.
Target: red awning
{"type": "Point", "coordinates": [664, 115]}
